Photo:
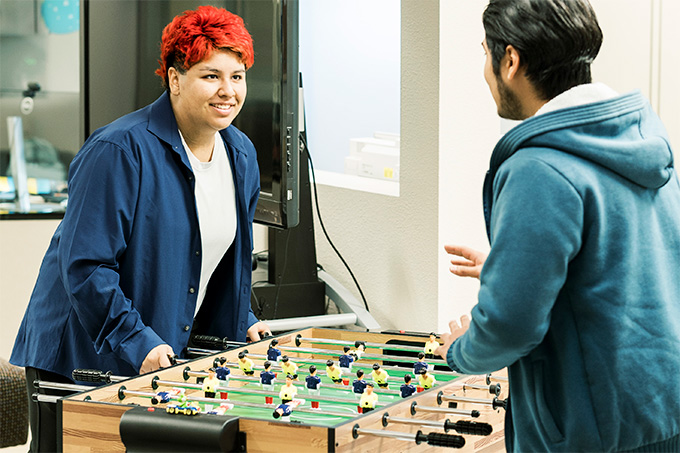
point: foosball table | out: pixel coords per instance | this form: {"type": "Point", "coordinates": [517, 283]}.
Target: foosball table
{"type": "Point", "coordinates": [168, 410]}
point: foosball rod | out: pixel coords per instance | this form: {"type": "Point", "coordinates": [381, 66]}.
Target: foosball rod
{"type": "Point", "coordinates": [394, 347]}
{"type": "Point", "coordinates": [161, 383]}
{"type": "Point", "coordinates": [494, 389]}
{"type": "Point", "coordinates": [461, 427]}
{"type": "Point", "coordinates": [415, 408]}
{"type": "Point", "coordinates": [188, 373]}
{"type": "Point", "coordinates": [494, 403]}
{"type": "Point", "coordinates": [123, 392]}
{"type": "Point", "coordinates": [390, 358]}
{"type": "Point", "coordinates": [434, 439]}
{"type": "Point", "coordinates": [490, 377]}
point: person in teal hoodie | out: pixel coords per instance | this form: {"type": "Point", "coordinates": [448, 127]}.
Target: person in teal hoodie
{"type": "Point", "coordinates": [580, 292]}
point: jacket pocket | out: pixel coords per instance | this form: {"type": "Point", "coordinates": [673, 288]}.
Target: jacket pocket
{"type": "Point", "coordinates": [545, 417]}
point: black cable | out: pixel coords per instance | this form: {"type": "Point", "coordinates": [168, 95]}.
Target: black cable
{"type": "Point", "coordinates": [323, 227]}
{"type": "Point", "coordinates": [283, 271]}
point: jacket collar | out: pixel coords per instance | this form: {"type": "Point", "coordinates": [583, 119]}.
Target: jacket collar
{"type": "Point", "coordinates": [162, 124]}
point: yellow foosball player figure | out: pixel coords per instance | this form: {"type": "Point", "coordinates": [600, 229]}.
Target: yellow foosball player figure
{"type": "Point", "coordinates": [288, 391]}
{"type": "Point", "coordinates": [289, 367]}
{"type": "Point", "coordinates": [333, 372]}
{"type": "Point", "coordinates": [210, 384]}
{"type": "Point", "coordinates": [368, 399]}
{"type": "Point", "coordinates": [379, 376]}
{"type": "Point", "coordinates": [245, 364]}
{"type": "Point", "coordinates": [430, 346]}
{"type": "Point", "coordinates": [426, 379]}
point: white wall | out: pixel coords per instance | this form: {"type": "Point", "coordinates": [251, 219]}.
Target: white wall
{"type": "Point", "coordinates": [22, 246]}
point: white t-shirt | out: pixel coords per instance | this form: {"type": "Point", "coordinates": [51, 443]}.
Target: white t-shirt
{"type": "Point", "coordinates": [216, 205]}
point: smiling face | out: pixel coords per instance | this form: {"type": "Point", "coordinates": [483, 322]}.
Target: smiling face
{"type": "Point", "coordinates": [209, 95]}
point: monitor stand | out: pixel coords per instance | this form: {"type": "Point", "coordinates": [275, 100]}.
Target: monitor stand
{"type": "Point", "coordinates": [294, 295]}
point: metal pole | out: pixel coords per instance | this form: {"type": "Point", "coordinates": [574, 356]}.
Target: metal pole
{"type": "Point", "coordinates": [15, 131]}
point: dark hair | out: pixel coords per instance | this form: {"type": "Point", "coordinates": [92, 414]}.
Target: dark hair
{"type": "Point", "coordinates": [360, 373]}
{"type": "Point", "coordinates": [312, 368]}
{"type": "Point", "coordinates": [273, 343]}
{"type": "Point", "coordinates": [329, 362]}
{"type": "Point", "coordinates": [407, 378]}
{"type": "Point", "coordinates": [421, 355]}
{"type": "Point", "coordinates": [376, 366]}
{"type": "Point", "coordinates": [284, 358]}
{"type": "Point", "coordinates": [345, 348]}
{"type": "Point", "coordinates": [241, 355]}
{"type": "Point", "coordinates": [557, 40]}
{"type": "Point", "coordinates": [267, 364]}
{"type": "Point", "coordinates": [359, 343]}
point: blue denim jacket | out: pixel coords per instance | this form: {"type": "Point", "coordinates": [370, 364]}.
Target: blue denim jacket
{"type": "Point", "coordinates": [121, 273]}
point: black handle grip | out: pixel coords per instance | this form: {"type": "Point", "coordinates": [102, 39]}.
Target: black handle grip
{"type": "Point", "coordinates": [210, 342]}
{"type": "Point", "coordinates": [468, 427]}
{"type": "Point", "coordinates": [440, 440]}
{"type": "Point", "coordinates": [83, 375]}
{"type": "Point", "coordinates": [499, 403]}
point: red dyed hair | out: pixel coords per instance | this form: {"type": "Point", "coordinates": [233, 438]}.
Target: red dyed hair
{"type": "Point", "coordinates": [194, 35]}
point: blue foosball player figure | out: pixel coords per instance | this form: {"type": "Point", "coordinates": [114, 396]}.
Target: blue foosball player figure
{"type": "Point", "coordinates": [359, 383]}
{"type": "Point", "coordinates": [420, 364]}
{"type": "Point", "coordinates": [346, 359]}
{"type": "Point", "coordinates": [284, 410]}
{"type": "Point", "coordinates": [313, 381]}
{"type": "Point", "coordinates": [407, 389]}
{"type": "Point", "coordinates": [273, 353]}
{"type": "Point", "coordinates": [221, 371]}
{"type": "Point", "coordinates": [267, 376]}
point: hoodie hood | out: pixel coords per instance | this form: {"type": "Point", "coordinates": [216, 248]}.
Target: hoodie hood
{"type": "Point", "coordinates": [622, 134]}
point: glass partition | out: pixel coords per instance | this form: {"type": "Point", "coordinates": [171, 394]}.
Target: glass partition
{"type": "Point", "coordinates": [39, 105]}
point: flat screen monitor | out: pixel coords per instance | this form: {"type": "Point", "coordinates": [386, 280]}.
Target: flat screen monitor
{"type": "Point", "coordinates": [120, 52]}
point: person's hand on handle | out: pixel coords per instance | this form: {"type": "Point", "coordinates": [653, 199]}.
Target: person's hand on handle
{"type": "Point", "coordinates": [256, 330]}
{"type": "Point", "coordinates": [465, 262]}
{"type": "Point", "coordinates": [157, 358]}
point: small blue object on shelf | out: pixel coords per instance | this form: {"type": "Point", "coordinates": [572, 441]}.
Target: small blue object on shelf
{"type": "Point", "coordinates": [61, 16]}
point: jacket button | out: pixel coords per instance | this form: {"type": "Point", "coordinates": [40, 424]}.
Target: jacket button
{"type": "Point", "coordinates": [192, 290]}
{"type": "Point", "coordinates": [198, 253]}
{"type": "Point", "coordinates": [186, 328]}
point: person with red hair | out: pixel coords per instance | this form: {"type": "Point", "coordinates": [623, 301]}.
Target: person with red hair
{"type": "Point", "coordinates": [156, 242]}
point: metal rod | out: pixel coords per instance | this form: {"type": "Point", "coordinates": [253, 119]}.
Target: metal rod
{"type": "Point", "coordinates": [40, 398]}
{"type": "Point", "coordinates": [391, 358]}
{"type": "Point", "coordinates": [443, 410]}
{"type": "Point", "coordinates": [394, 347]}
{"type": "Point", "coordinates": [390, 434]}
{"type": "Point", "coordinates": [61, 386]}
{"type": "Point", "coordinates": [320, 398]}
{"type": "Point", "coordinates": [490, 378]}
{"type": "Point", "coordinates": [287, 324]}
{"type": "Point", "coordinates": [219, 401]}
{"type": "Point", "coordinates": [235, 377]}
{"type": "Point", "coordinates": [412, 421]}
{"type": "Point", "coordinates": [462, 399]}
